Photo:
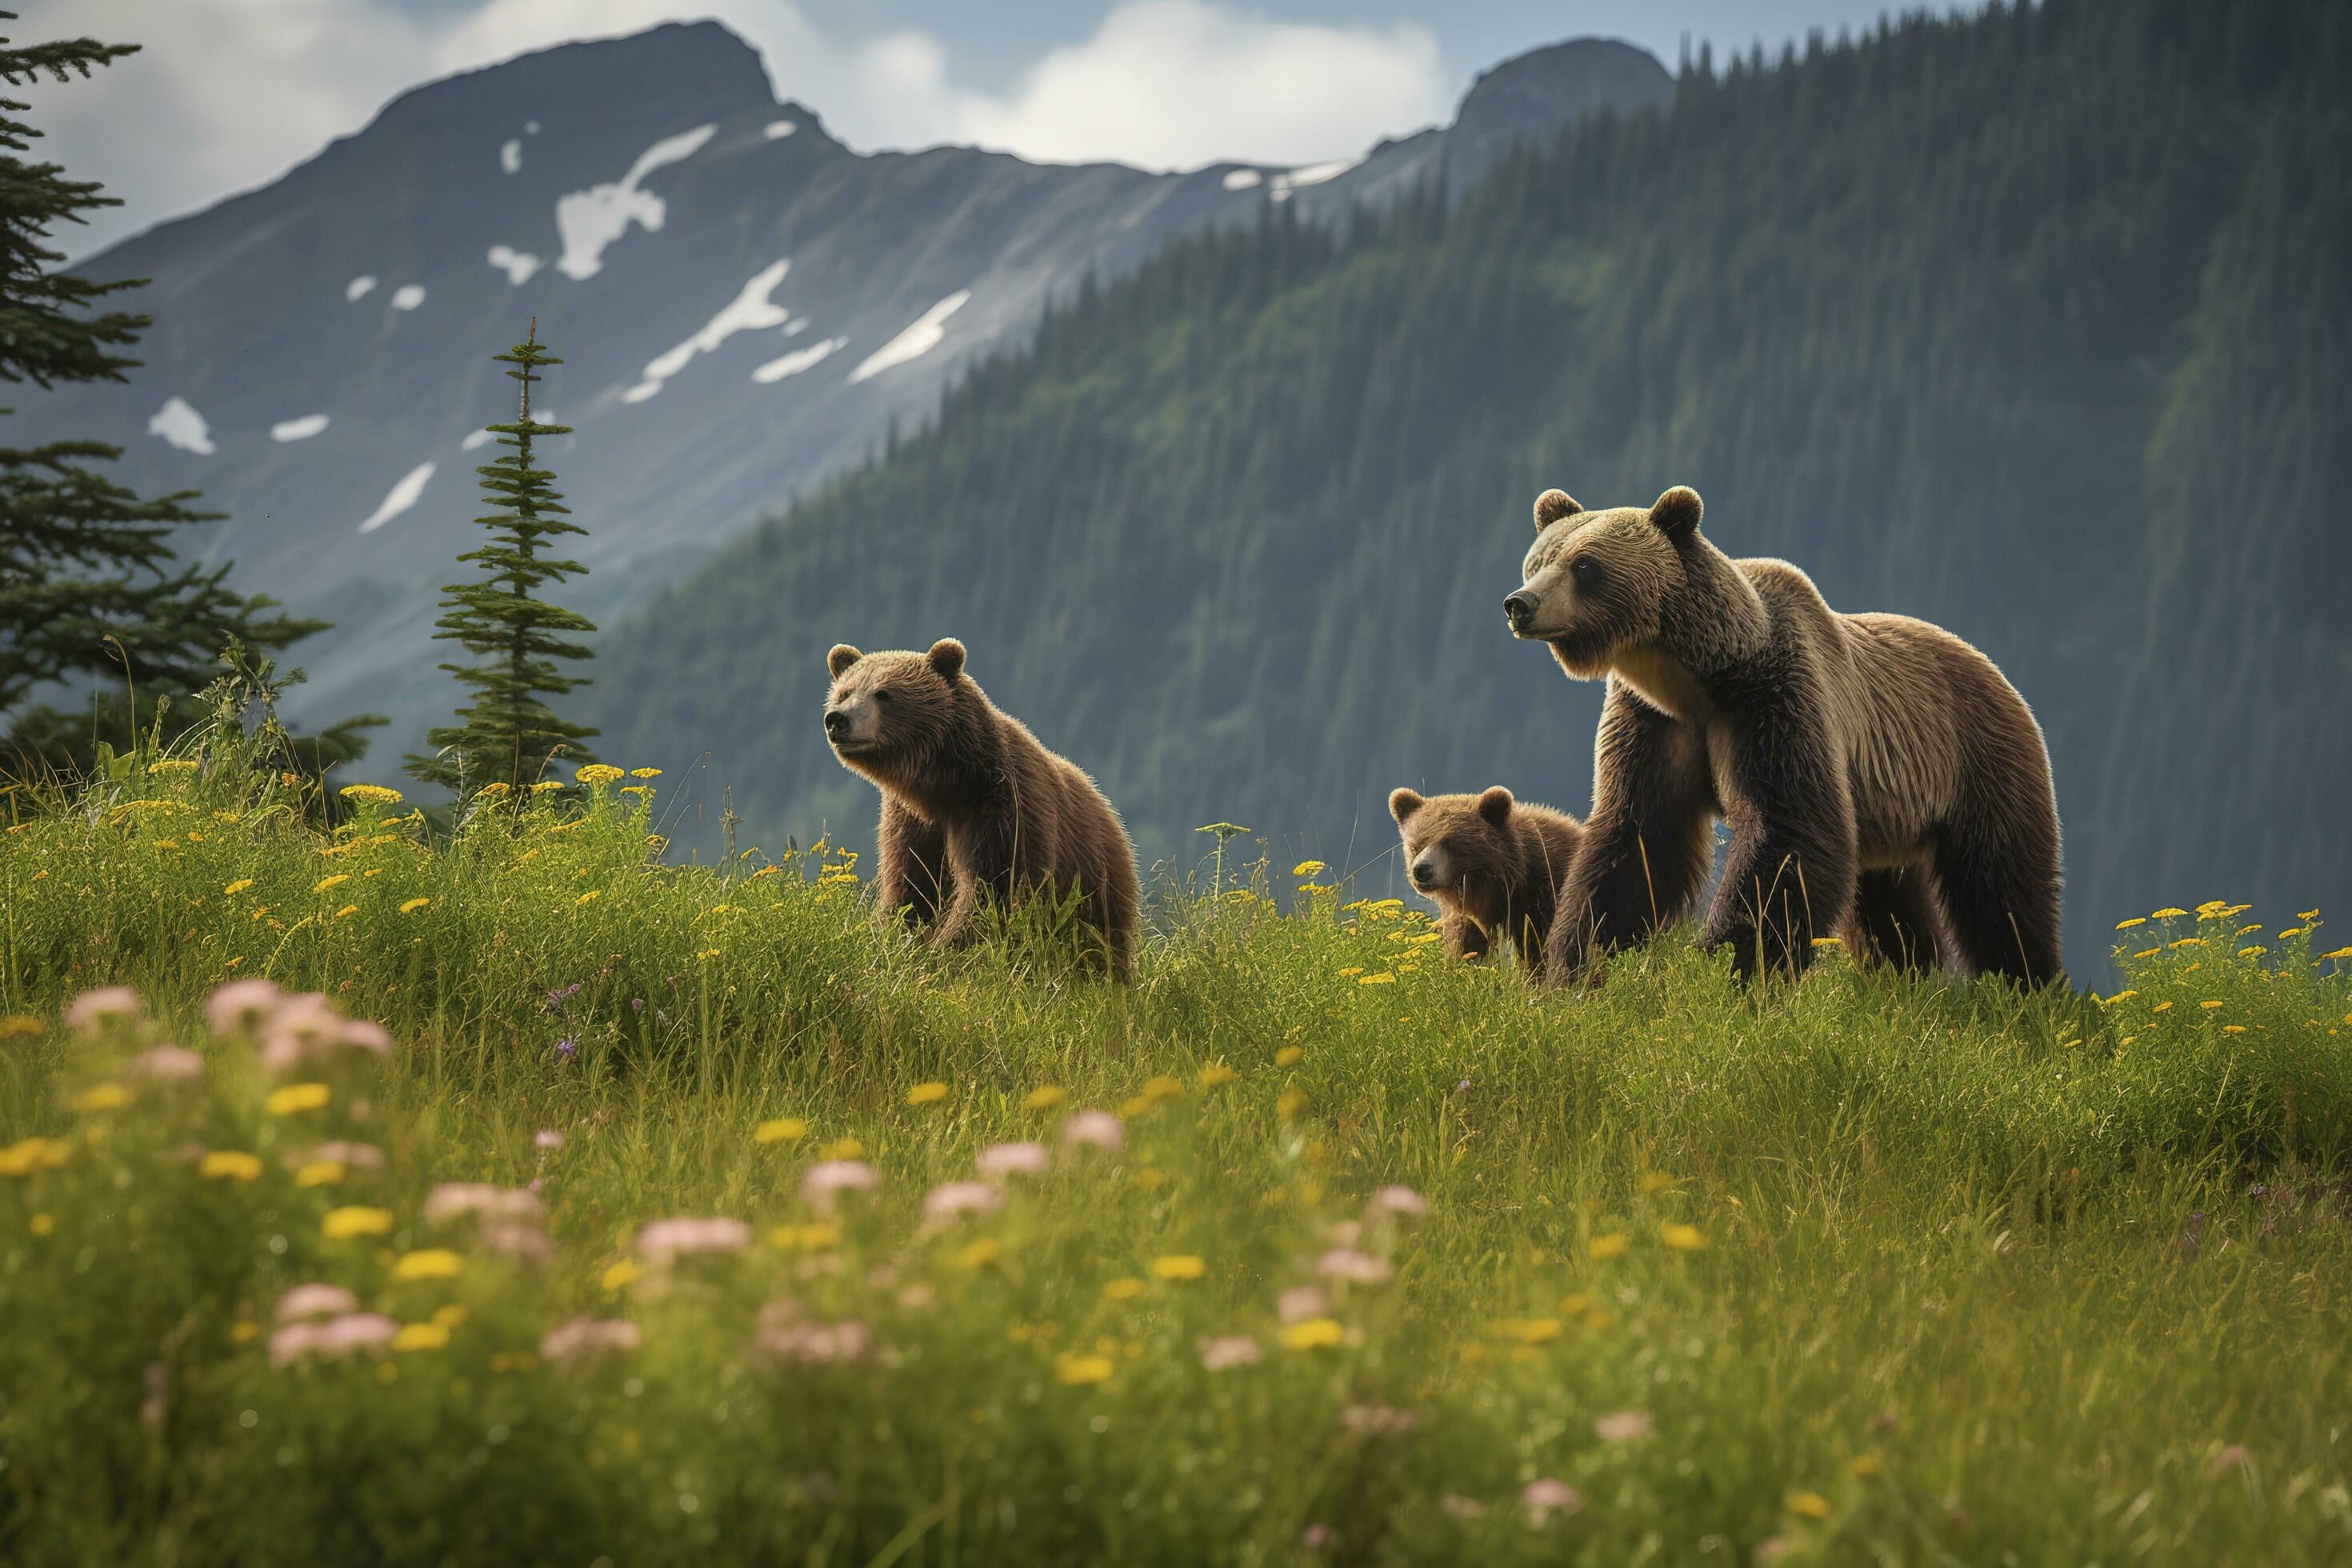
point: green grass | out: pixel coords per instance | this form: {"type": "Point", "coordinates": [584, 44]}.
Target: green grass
{"type": "Point", "coordinates": [1983, 1278]}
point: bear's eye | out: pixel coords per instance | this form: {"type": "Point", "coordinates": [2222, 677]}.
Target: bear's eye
{"type": "Point", "coordinates": [1586, 571]}
{"type": "Point", "coordinates": [882, 696]}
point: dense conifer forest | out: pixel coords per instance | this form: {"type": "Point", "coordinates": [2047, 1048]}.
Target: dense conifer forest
{"type": "Point", "coordinates": [2032, 324]}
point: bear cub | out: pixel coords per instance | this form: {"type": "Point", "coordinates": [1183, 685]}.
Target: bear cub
{"type": "Point", "coordinates": [1492, 865]}
{"type": "Point", "coordinates": [975, 811]}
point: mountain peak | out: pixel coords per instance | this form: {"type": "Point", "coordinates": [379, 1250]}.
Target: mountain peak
{"type": "Point", "coordinates": [698, 64]}
{"type": "Point", "coordinates": [1531, 97]}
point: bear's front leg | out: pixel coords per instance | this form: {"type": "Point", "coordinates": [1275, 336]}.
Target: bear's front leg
{"type": "Point", "coordinates": [1465, 938]}
{"type": "Point", "coordinates": [1790, 874]}
{"type": "Point", "coordinates": [911, 882]}
{"type": "Point", "coordinates": [980, 863]}
{"type": "Point", "coordinates": [1647, 845]}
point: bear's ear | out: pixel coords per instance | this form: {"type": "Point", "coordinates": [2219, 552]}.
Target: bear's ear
{"type": "Point", "coordinates": [1403, 803]}
{"type": "Point", "coordinates": [842, 657]}
{"type": "Point", "coordinates": [946, 657]}
{"type": "Point", "coordinates": [1677, 514]}
{"type": "Point", "coordinates": [1495, 806]}
{"type": "Point", "coordinates": [1553, 505]}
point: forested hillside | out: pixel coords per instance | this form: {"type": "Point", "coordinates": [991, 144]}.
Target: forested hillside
{"type": "Point", "coordinates": [2032, 324]}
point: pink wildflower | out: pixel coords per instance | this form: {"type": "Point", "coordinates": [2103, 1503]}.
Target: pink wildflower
{"type": "Point", "coordinates": [1545, 1496]}
{"type": "Point", "coordinates": [1403, 1201]}
{"type": "Point", "coordinates": [1096, 1130]}
{"type": "Point", "coordinates": [1301, 1302]}
{"type": "Point", "coordinates": [668, 1238]}
{"type": "Point", "coordinates": [1229, 1350]}
{"type": "Point", "coordinates": [825, 1182]}
{"type": "Point", "coordinates": [579, 1338]}
{"type": "Point", "coordinates": [1020, 1159]}
{"type": "Point", "coordinates": [315, 1301]}
{"type": "Point", "coordinates": [949, 1199]}
{"type": "Point", "coordinates": [166, 1064]}
{"type": "Point", "coordinates": [241, 1006]}
{"type": "Point", "coordinates": [454, 1200]}
{"type": "Point", "coordinates": [1625, 1426]}
{"type": "Point", "coordinates": [1354, 1267]}
{"type": "Point", "coordinates": [94, 1010]}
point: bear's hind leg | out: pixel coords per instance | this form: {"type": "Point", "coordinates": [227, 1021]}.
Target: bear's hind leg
{"type": "Point", "coordinates": [1895, 919]}
{"type": "Point", "coordinates": [2001, 895]}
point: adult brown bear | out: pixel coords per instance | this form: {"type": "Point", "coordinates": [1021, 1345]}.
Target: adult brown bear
{"type": "Point", "coordinates": [1878, 773]}
{"type": "Point", "coordinates": [974, 810]}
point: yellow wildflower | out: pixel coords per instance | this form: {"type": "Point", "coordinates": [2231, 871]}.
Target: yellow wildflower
{"type": "Point", "coordinates": [377, 794]}
{"type": "Point", "coordinates": [1044, 1097]}
{"type": "Point", "coordinates": [1079, 1370]}
{"type": "Point", "coordinates": [346, 912]}
{"type": "Point", "coordinates": [2135, 920]}
{"type": "Point", "coordinates": [1308, 869]}
{"type": "Point", "coordinates": [2233, 1028]}
{"type": "Point", "coordinates": [599, 772]}
{"type": "Point", "coordinates": [1604, 1247]}
{"type": "Point", "coordinates": [42, 1225]}
{"type": "Point", "coordinates": [1126, 1287]}
{"type": "Point", "coordinates": [2111, 1001]}
{"type": "Point", "coordinates": [781, 1130]}
{"type": "Point", "coordinates": [2161, 1008]}
{"type": "Point", "coordinates": [1682, 1237]}
{"type": "Point", "coordinates": [172, 765]}
{"type": "Point", "coordinates": [1178, 1266]}
{"type": "Point", "coordinates": [343, 1224]}
{"type": "Point", "coordinates": [2250, 949]}
{"type": "Point", "coordinates": [619, 1275]}
{"type": "Point", "coordinates": [1158, 1089]}
{"type": "Point", "coordinates": [1573, 1304]}
{"type": "Point", "coordinates": [102, 1097]}
{"type": "Point", "coordinates": [244, 1331]}
{"type": "Point", "coordinates": [842, 1149]}
{"type": "Point", "coordinates": [2147, 953]}
{"type": "Point", "coordinates": [493, 789]}
{"type": "Point", "coordinates": [2209, 1007]}
{"type": "Point", "coordinates": [590, 896]}
{"type": "Point", "coordinates": [22, 1027]}
{"type": "Point", "coordinates": [229, 1164]}
{"type": "Point", "coordinates": [1216, 1074]}
{"type": "Point", "coordinates": [2339, 953]}
{"type": "Point", "coordinates": [1655, 1181]}
{"type": "Point", "coordinates": [927, 1093]}
{"type": "Point", "coordinates": [2188, 941]}
{"type": "Point", "coordinates": [980, 1254]}
{"type": "Point", "coordinates": [1382, 979]}
{"type": "Point", "coordinates": [1812, 1505]}
{"type": "Point", "coordinates": [297, 1097]}
{"type": "Point", "coordinates": [410, 905]}
{"type": "Point", "coordinates": [1313, 1333]}
{"type": "Point", "coordinates": [240, 885]}
{"type": "Point", "coordinates": [2167, 914]}
{"type": "Point", "coordinates": [1288, 1056]}
{"type": "Point", "coordinates": [1289, 1103]}
{"type": "Point", "coordinates": [450, 1316]}
{"type": "Point", "coordinates": [1863, 1465]}
{"type": "Point", "coordinates": [319, 1173]}
{"type": "Point", "coordinates": [1352, 969]}
{"type": "Point", "coordinates": [545, 785]}
{"type": "Point", "coordinates": [644, 772]}
{"type": "Point", "coordinates": [1531, 1331]}
{"type": "Point", "coordinates": [337, 880]}
{"type": "Point", "coordinates": [432, 1263]}
{"type": "Point", "coordinates": [805, 1237]}
{"type": "Point", "coordinates": [421, 1337]}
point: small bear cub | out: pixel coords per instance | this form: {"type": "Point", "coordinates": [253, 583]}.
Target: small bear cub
{"type": "Point", "coordinates": [1492, 865]}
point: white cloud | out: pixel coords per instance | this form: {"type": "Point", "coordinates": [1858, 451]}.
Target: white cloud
{"type": "Point", "coordinates": [227, 94]}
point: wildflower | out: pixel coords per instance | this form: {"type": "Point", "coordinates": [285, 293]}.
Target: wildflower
{"type": "Point", "coordinates": [619, 1275]}
{"type": "Point", "coordinates": [1317, 1537]}
{"type": "Point", "coordinates": [2233, 1028]}
{"type": "Point", "coordinates": [1313, 1333]}
{"type": "Point", "coordinates": [805, 1237]}
{"type": "Point", "coordinates": [1812, 1505]}
{"type": "Point", "coordinates": [102, 1097]}
{"type": "Point", "coordinates": [567, 1047]}
{"type": "Point", "coordinates": [1308, 869]}
{"type": "Point", "coordinates": [1682, 1237]}
{"type": "Point", "coordinates": [579, 1338]}
{"type": "Point", "coordinates": [1155, 1090]}
{"type": "Point", "coordinates": [1355, 1267]}
{"type": "Point", "coordinates": [950, 1199]}
{"type": "Point", "coordinates": [493, 789]}
{"type": "Point", "coordinates": [228, 1165]}
{"type": "Point", "coordinates": [1383, 978]}
{"type": "Point", "coordinates": [1288, 1056]}
{"type": "Point", "coordinates": [1044, 1097]}
{"type": "Point", "coordinates": [358, 1156]}
{"type": "Point", "coordinates": [166, 1064]}
{"type": "Point", "coordinates": [347, 912]}
{"type": "Point", "coordinates": [779, 1129]}
{"type": "Point", "coordinates": [668, 1238]}
{"type": "Point", "coordinates": [172, 765]}
{"type": "Point", "coordinates": [2118, 996]}
{"type": "Point", "coordinates": [1215, 1074]}
{"type": "Point", "coordinates": [421, 1337]}
{"type": "Point", "coordinates": [1378, 1420]}
{"type": "Point", "coordinates": [1096, 1130]}
{"type": "Point", "coordinates": [319, 1173]}
{"type": "Point", "coordinates": [374, 794]}
{"type": "Point", "coordinates": [1655, 1181]}
{"type": "Point", "coordinates": [410, 905]}
{"type": "Point", "coordinates": [1178, 1266]}
{"type": "Point", "coordinates": [456, 1200]}
{"type": "Point", "coordinates": [590, 896]}
{"type": "Point", "coordinates": [2251, 949]}
{"type": "Point", "coordinates": [516, 1238]}
{"type": "Point", "coordinates": [1290, 1103]}
{"type": "Point", "coordinates": [1016, 1159]}
{"type": "Point", "coordinates": [1300, 1303]}
{"type": "Point", "coordinates": [2135, 920]}
{"type": "Point", "coordinates": [644, 772]}
{"type": "Point", "coordinates": [2209, 1007]}
{"type": "Point", "coordinates": [824, 1184]}
{"type": "Point", "coordinates": [1126, 1287]}
{"type": "Point", "coordinates": [343, 1224]}
{"type": "Point", "coordinates": [784, 1337]}
{"type": "Point", "coordinates": [1604, 1247]}
{"type": "Point", "coordinates": [543, 785]}
{"type": "Point", "coordinates": [842, 1149]}
{"type": "Point", "coordinates": [1397, 1200]}
{"type": "Point", "coordinates": [546, 1140]}
{"type": "Point", "coordinates": [927, 1094]}
{"type": "Point", "coordinates": [95, 1009]}
{"type": "Point", "coordinates": [296, 1097]}
{"type": "Point", "coordinates": [599, 772]}
{"type": "Point", "coordinates": [21, 1027]}
{"type": "Point", "coordinates": [432, 1263]}
{"type": "Point", "coordinates": [1079, 1370]}
{"type": "Point", "coordinates": [241, 1004]}
{"type": "Point", "coordinates": [337, 880]}
{"type": "Point", "coordinates": [1227, 1351]}
{"type": "Point", "coordinates": [980, 1254]}
{"type": "Point", "coordinates": [1468, 1509]}
{"type": "Point", "coordinates": [1625, 1426]}
{"type": "Point", "coordinates": [2167, 914]}
{"type": "Point", "coordinates": [1530, 1331]}
{"type": "Point", "coordinates": [1540, 1498]}
{"type": "Point", "coordinates": [315, 1301]}
{"type": "Point", "coordinates": [1352, 969]}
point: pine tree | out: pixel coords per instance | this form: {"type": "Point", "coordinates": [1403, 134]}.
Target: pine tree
{"type": "Point", "coordinates": [507, 734]}
{"type": "Point", "coordinates": [89, 586]}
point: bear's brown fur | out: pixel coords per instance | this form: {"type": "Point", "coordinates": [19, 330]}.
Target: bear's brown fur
{"type": "Point", "coordinates": [974, 809]}
{"type": "Point", "coordinates": [1879, 775]}
{"type": "Point", "coordinates": [1492, 865]}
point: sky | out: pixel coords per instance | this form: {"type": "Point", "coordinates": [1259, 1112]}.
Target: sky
{"type": "Point", "coordinates": [227, 94]}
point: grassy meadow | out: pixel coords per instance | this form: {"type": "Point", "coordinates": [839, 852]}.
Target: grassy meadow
{"type": "Point", "coordinates": [675, 1213]}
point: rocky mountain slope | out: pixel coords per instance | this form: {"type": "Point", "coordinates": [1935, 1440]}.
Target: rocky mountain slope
{"type": "Point", "coordinates": [744, 305]}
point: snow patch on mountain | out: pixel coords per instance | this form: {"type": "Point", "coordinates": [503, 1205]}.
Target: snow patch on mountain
{"type": "Point", "coordinates": [511, 155]}
{"type": "Point", "coordinates": [778, 130]}
{"type": "Point", "coordinates": [797, 361]}
{"type": "Point", "coordinates": [358, 286]}
{"type": "Point", "coordinates": [1243, 179]}
{"type": "Point", "coordinates": [1312, 174]}
{"type": "Point", "coordinates": [749, 311]}
{"type": "Point", "coordinates": [408, 296]}
{"type": "Point", "coordinates": [591, 219]}
{"type": "Point", "coordinates": [518, 265]}
{"type": "Point", "coordinates": [916, 341]}
{"type": "Point", "coordinates": [179, 423]}
{"type": "Point", "coordinates": [400, 498]}
{"type": "Point", "coordinates": [301, 429]}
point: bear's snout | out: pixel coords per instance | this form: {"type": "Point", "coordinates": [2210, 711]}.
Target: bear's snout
{"type": "Point", "coordinates": [1424, 872]}
{"type": "Point", "coordinates": [836, 723]}
{"type": "Point", "coordinates": [1519, 609]}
